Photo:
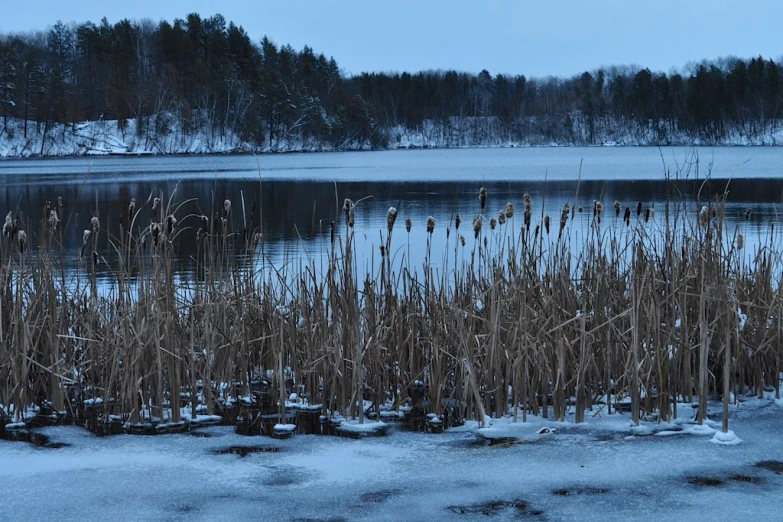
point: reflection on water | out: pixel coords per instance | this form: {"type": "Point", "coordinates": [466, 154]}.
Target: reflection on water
{"type": "Point", "coordinates": [294, 207]}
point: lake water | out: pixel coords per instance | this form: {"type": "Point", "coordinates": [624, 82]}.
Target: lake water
{"type": "Point", "coordinates": [293, 198]}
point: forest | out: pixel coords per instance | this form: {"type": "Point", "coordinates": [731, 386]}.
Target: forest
{"type": "Point", "coordinates": [161, 83]}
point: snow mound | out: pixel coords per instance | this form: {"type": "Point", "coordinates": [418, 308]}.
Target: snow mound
{"type": "Point", "coordinates": [725, 439]}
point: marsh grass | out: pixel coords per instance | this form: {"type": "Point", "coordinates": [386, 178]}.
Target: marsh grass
{"type": "Point", "coordinates": [646, 311]}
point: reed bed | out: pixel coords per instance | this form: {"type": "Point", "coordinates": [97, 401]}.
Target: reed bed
{"type": "Point", "coordinates": [648, 312]}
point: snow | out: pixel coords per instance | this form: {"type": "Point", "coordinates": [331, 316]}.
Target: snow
{"type": "Point", "coordinates": [105, 137]}
{"type": "Point", "coordinates": [726, 439]}
{"type": "Point", "coordinates": [284, 428]}
{"type": "Point", "coordinates": [364, 428]}
{"type": "Point", "coordinates": [404, 476]}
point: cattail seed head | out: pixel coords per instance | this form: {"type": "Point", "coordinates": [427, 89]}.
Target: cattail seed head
{"type": "Point", "coordinates": [155, 203]}
{"type": "Point", "coordinates": [616, 208]}
{"type": "Point", "coordinates": [509, 210]}
{"type": "Point", "coordinates": [647, 214]}
{"type": "Point", "coordinates": [331, 232]}
{"type": "Point", "coordinates": [383, 251]}
{"type": "Point", "coordinates": [430, 224]}
{"type": "Point", "coordinates": [638, 209]}
{"type": "Point", "coordinates": [462, 239]}
{"type": "Point", "coordinates": [483, 198]}
{"type": "Point", "coordinates": [53, 219]}
{"type": "Point", "coordinates": [86, 237]}
{"type": "Point", "coordinates": [131, 209]}
{"type": "Point", "coordinates": [486, 242]}
{"type": "Point", "coordinates": [546, 223]}
{"type": "Point", "coordinates": [493, 223]}
{"type": "Point", "coordinates": [155, 230]}
{"type": "Point", "coordinates": [171, 222]}
{"type": "Point", "coordinates": [564, 216]}
{"type": "Point", "coordinates": [748, 212]}
{"type": "Point", "coordinates": [204, 225]}
{"type": "Point", "coordinates": [226, 207]}
{"type": "Point", "coordinates": [96, 224]}
{"type": "Point", "coordinates": [740, 241]}
{"type": "Point", "coordinates": [704, 216]}
{"type": "Point", "coordinates": [598, 210]}
{"type": "Point", "coordinates": [457, 221]}
{"type": "Point", "coordinates": [627, 216]}
{"type": "Point", "coordinates": [502, 217]}
{"type": "Point", "coordinates": [408, 224]}
{"type": "Point", "coordinates": [477, 222]}
{"type": "Point", "coordinates": [21, 237]}
{"type": "Point", "coordinates": [391, 217]}
{"type": "Point", "coordinates": [8, 226]}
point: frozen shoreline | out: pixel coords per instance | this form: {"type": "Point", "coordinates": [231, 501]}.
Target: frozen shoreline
{"type": "Point", "coordinates": [602, 469]}
{"type": "Point", "coordinates": [108, 138]}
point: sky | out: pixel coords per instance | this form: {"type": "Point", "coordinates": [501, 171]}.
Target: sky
{"type": "Point", "coordinates": [532, 37]}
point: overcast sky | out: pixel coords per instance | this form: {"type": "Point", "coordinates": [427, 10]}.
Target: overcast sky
{"type": "Point", "coordinates": [531, 37]}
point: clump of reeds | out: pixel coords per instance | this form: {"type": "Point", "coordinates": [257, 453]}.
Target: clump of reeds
{"type": "Point", "coordinates": [541, 330]}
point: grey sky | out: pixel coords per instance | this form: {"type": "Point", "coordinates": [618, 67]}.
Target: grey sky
{"type": "Point", "coordinates": [531, 37]}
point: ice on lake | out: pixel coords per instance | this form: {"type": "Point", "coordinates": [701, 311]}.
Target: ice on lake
{"type": "Point", "coordinates": [601, 470]}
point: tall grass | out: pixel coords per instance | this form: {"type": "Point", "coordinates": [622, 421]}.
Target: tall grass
{"type": "Point", "coordinates": [647, 312]}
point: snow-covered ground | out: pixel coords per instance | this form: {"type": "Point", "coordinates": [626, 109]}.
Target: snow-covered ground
{"type": "Point", "coordinates": [103, 137]}
{"type": "Point", "coordinates": [600, 470]}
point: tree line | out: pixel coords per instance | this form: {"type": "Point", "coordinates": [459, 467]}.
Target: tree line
{"type": "Point", "coordinates": [206, 73]}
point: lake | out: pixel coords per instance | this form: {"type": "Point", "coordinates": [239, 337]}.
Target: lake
{"type": "Point", "coordinates": [293, 198]}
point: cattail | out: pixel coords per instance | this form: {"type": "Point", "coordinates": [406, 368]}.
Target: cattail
{"type": "Point", "coordinates": [486, 242]}
{"type": "Point", "coordinates": [383, 251]}
{"type": "Point", "coordinates": [349, 213]}
{"type": "Point", "coordinates": [94, 257]}
{"type": "Point", "coordinates": [331, 232]}
{"type": "Point", "coordinates": [96, 224]}
{"type": "Point", "coordinates": [171, 222]}
{"type": "Point", "coordinates": [564, 216]}
{"type": "Point", "coordinates": [493, 223]}
{"type": "Point", "coordinates": [579, 209]}
{"type": "Point", "coordinates": [528, 210]}
{"type": "Point", "coordinates": [204, 225]}
{"type": "Point", "coordinates": [155, 229]}
{"type": "Point", "coordinates": [462, 239]}
{"type": "Point", "coordinates": [502, 217]}
{"type": "Point", "coordinates": [86, 237]}
{"type": "Point", "coordinates": [408, 224]}
{"type": "Point", "coordinates": [8, 226]}
{"type": "Point", "coordinates": [714, 212]}
{"type": "Point", "coordinates": [53, 219]}
{"type": "Point", "coordinates": [448, 232]}
{"type": "Point", "coordinates": [483, 198]}
{"type": "Point", "coordinates": [430, 224]}
{"type": "Point", "coordinates": [155, 203]}
{"type": "Point", "coordinates": [391, 217]}
{"type": "Point", "coordinates": [627, 216]}
{"type": "Point", "coordinates": [616, 208]}
{"type": "Point", "coordinates": [740, 241]}
{"type": "Point", "coordinates": [647, 213]}
{"type": "Point", "coordinates": [131, 209]}
{"type": "Point", "coordinates": [21, 237]}
{"type": "Point", "coordinates": [509, 210]}
{"type": "Point", "coordinates": [60, 202]}
{"type": "Point", "coordinates": [598, 210]}
{"type": "Point", "coordinates": [457, 221]}
{"type": "Point", "coordinates": [748, 212]}
{"type": "Point", "coordinates": [638, 209]}
{"type": "Point", "coordinates": [704, 216]}
{"type": "Point", "coordinates": [226, 207]}
{"type": "Point", "coordinates": [477, 226]}
{"type": "Point", "coordinates": [257, 237]}
{"type": "Point", "coordinates": [546, 224]}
